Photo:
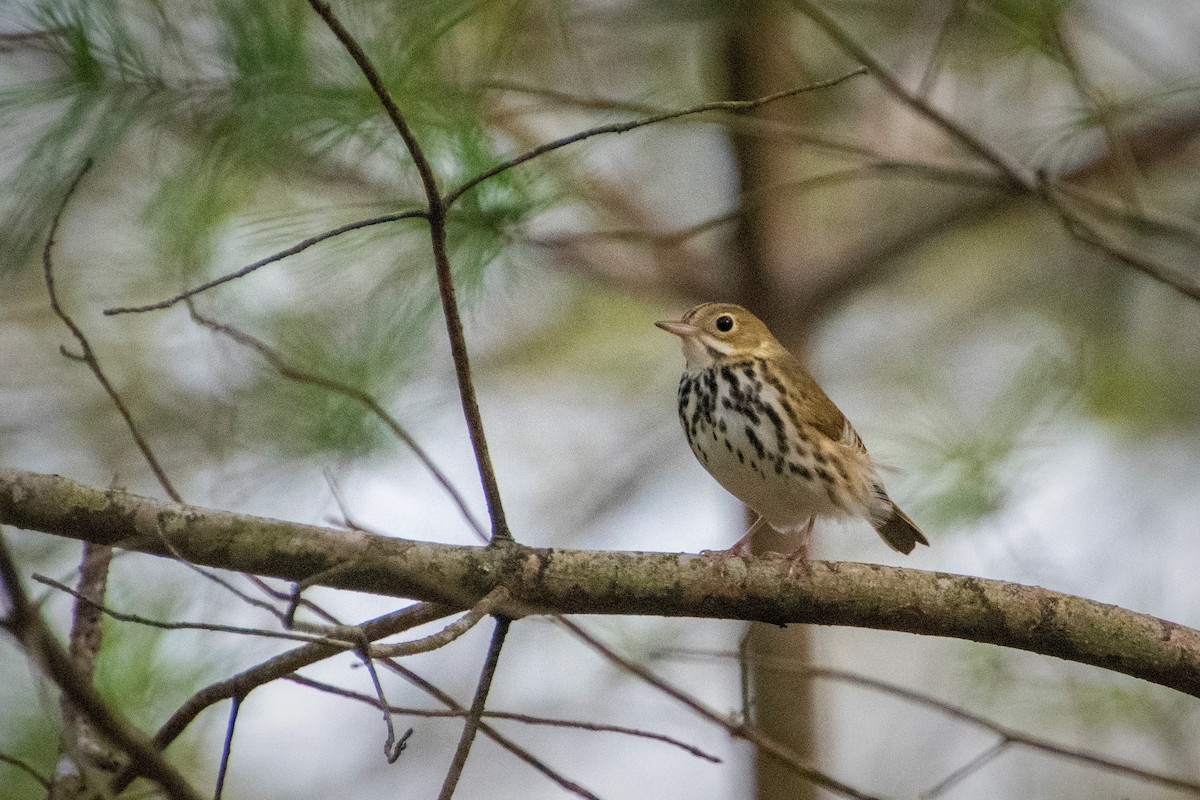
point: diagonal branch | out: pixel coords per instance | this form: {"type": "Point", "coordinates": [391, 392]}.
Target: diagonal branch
{"type": "Point", "coordinates": [738, 729]}
{"type": "Point", "coordinates": [436, 217]}
{"type": "Point", "coordinates": [527, 719]}
{"type": "Point", "coordinates": [26, 625]}
{"type": "Point", "coordinates": [733, 106]}
{"type": "Point", "coordinates": [345, 390]}
{"type": "Point", "coordinates": [1017, 174]}
{"type": "Point", "coordinates": [87, 355]}
{"type": "Point", "coordinates": [299, 247]}
{"type": "Point", "coordinates": [471, 725]}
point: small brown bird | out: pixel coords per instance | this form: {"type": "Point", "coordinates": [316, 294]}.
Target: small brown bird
{"type": "Point", "coordinates": [759, 423]}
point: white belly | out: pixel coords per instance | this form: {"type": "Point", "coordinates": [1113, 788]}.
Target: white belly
{"type": "Point", "coordinates": [764, 461]}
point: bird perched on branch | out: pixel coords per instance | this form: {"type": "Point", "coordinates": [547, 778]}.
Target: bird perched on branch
{"type": "Point", "coordinates": [759, 423]}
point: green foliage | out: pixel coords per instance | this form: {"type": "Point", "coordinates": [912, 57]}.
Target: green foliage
{"type": "Point", "coordinates": [971, 463]}
{"type": "Point", "coordinates": [1139, 392]}
{"type": "Point", "coordinates": [245, 111]}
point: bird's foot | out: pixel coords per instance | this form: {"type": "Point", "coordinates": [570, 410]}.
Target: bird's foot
{"type": "Point", "coordinates": [799, 558]}
{"type": "Point", "coordinates": [739, 549]}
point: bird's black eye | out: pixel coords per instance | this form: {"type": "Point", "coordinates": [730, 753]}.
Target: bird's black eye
{"type": "Point", "coordinates": [724, 323]}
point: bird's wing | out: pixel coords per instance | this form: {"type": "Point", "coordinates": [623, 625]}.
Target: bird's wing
{"type": "Point", "coordinates": [816, 407]}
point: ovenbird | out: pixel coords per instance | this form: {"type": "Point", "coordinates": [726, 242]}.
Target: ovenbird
{"type": "Point", "coordinates": [759, 423]}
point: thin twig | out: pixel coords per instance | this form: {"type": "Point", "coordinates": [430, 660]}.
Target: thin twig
{"type": "Point", "coordinates": [299, 247]}
{"type": "Point", "coordinates": [82, 754]}
{"type": "Point", "coordinates": [189, 626]}
{"type": "Point", "coordinates": [26, 624]}
{"type": "Point", "coordinates": [1019, 175]}
{"type": "Point", "coordinates": [489, 731]}
{"type": "Point", "coordinates": [471, 725]}
{"type": "Point", "coordinates": [1124, 165]}
{"type": "Point", "coordinates": [346, 390]}
{"type": "Point", "coordinates": [227, 745]}
{"type": "Point", "coordinates": [490, 602]}
{"type": "Point", "coordinates": [748, 200]}
{"type": "Point", "coordinates": [436, 217]}
{"type": "Point", "coordinates": [527, 719]}
{"type": "Point", "coordinates": [966, 770]}
{"type": "Point", "coordinates": [392, 747]}
{"type": "Point", "coordinates": [958, 9]}
{"type": "Point", "coordinates": [87, 355]}
{"type": "Point", "coordinates": [1083, 230]}
{"type": "Point", "coordinates": [243, 683]}
{"type": "Point", "coordinates": [734, 106]}
{"type": "Point", "coordinates": [1004, 732]}
{"type": "Point", "coordinates": [28, 770]}
{"type": "Point", "coordinates": [959, 713]}
{"type": "Point", "coordinates": [1015, 172]}
{"type": "Point", "coordinates": [741, 730]}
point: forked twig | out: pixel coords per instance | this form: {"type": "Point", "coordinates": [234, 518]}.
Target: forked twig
{"type": "Point", "coordinates": [734, 106]}
{"type": "Point", "coordinates": [1019, 175]}
{"type": "Point", "coordinates": [87, 355]}
{"type": "Point", "coordinates": [436, 217]}
{"type": "Point", "coordinates": [489, 731]}
{"type": "Point", "coordinates": [243, 683]}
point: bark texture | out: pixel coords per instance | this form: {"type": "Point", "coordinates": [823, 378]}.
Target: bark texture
{"type": "Point", "coordinates": [609, 582]}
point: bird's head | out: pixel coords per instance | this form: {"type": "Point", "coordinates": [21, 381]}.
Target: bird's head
{"type": "Point", "coordinates": [714, 333]}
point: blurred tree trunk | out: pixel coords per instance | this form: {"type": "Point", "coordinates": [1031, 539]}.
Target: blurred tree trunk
{"type": "Point", "coordinates": [757, 50]}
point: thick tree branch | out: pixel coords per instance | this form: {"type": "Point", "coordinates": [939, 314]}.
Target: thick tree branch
{"type": "Point", "coordinates": [583, 582]}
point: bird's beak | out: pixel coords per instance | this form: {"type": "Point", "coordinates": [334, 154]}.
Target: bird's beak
{"type": "Point", "coordinates": [681, 329]}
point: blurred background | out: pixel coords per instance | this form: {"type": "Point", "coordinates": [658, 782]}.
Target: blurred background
{"type": "Point", "coordinates": [1036, 396]}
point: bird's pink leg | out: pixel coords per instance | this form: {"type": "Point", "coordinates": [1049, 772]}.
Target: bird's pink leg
{"type": "Point", "coordinates": [799, 556]}
{"type": "Point", "coordinates": [742, 546]}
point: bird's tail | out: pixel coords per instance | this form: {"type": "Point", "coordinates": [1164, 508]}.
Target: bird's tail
{"type": "Point", "coordinates": [900, 532]}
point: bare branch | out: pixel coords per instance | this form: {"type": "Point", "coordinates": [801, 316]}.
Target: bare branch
{"type": "Point", "coordinates": [84, 758]}
{"type": "Point", "coordinates": [489, 731]}
{"type": "Point", "coordinates": [1007, 734]}
{"type": "Point", "coordinates": [494, 599]}
{"type": "Point", "coordinates": [87, 356]}
{"type": "Point", "coordinates": [471, 725]}
{"type": "Point", "coordinates": [227, 746]}
{"type": "Point", "coordinates": [1084, 231]}
{"type": "Point", "coordinates": [284, 664]}
{"type": "Point", "coordinates": [190, 626]}
{"type": "Point", "coordinates": [28, 770]}
{"type": "Point", "coordinates": [1014, 172]}
{"type": "Point", "coordinates": [734, 106]}
{"type": "Point", "coordinates": [436, 217]}
{"type": "Point", "coordinates": [345, 390]}
{"type": "Point", "coordinates": [1017, 174]}
{"type": "Point", "coordinates": [962, 773]}
{"type": "Point", "coordinates": [27, 627]}
{"type": "Point", "coordinates": [527, 719]}
{"type": "Point", "coordinates": [299, 247]}
{"type": "Point", "coordinates": [739, 729]}
{"type": "Point", "coordinates": [660, 584]}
